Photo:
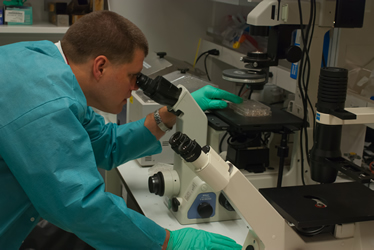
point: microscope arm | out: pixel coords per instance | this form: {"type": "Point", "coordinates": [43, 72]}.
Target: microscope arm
{"type": "Point", "coordinates": [190, 120]}
{"type": "Point", "coordinates": [275, 12]}
{"type": "Point", "coordinates": [364, 115]}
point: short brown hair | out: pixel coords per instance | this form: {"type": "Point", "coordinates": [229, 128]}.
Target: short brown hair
{"type": "Point", "coordinates": [103, 33]}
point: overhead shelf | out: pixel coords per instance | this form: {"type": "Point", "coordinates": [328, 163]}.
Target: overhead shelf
{"type": "Point", "coordinates": [36, 28]}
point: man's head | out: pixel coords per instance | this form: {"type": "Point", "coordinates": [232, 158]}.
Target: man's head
{"type": "Point", "coordinates": [106, 52]}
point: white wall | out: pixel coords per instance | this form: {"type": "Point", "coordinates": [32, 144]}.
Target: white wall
{"type": "Point", "coordinates": [356, 46]}
{"type": "Point", "coordinates": [172, 26]}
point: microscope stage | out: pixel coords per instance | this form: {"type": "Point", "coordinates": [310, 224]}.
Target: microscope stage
{"type": "Point", "coordinates": [274, 123]}
{"type": "Point", "coordinates": [324, 204]}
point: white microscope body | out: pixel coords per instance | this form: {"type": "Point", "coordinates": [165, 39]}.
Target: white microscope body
{"type": "Point", "coordinates": [270, 229]}
{"type": "Point", "coordinates": [189, 198]}
{"type": "Point", "coordinates": [198, 202]}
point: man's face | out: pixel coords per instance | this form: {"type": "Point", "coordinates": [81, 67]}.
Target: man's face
{"type": "Point", "coordinates": [119, 81]}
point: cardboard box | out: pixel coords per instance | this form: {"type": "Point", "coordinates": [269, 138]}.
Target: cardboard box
{"type": "Point", "coordinates": [58, 14]}
{"type": "Point", "coordinates": [75, 18]}
{"type": "Point", "coordinates": [97, 5]}
{"type": "Point", "coordinates": [18, 15]}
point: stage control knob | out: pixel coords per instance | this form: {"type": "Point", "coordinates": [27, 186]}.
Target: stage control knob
{"type": "Point", "coordinates": [175, 204]}
{"type": "Point", "coordinates": [205, 210]}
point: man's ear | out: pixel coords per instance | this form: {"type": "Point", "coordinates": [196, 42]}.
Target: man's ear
{"type": "Point", "coordinates": [100, 63]}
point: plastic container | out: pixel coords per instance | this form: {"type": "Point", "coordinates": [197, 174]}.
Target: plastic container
{"type": "Point", "coordinates": [251, 108]}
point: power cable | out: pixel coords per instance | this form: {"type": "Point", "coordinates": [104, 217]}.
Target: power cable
{"type": "Point", "coordinates": [214, 52]}
{"type": "Point", "coordinates": [206, 69]}
{"type": "Point", "coordinates": [303, 80]}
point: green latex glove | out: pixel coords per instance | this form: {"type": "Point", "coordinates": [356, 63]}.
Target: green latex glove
{"type": "Point", "coordinates": [193, 239]}
{"type": "Point", "coordinates": [209, 97]}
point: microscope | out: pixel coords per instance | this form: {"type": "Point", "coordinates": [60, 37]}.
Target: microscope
{"type": "Point", "coordinates": [189, 198]}
{"type": "Point", "coordinates": [279, 20]}
{"type": "Point", "coordinates": [319, 216]}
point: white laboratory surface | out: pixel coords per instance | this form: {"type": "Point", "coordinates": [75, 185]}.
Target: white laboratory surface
{"type": "Point", "coordinates": [153, 207]}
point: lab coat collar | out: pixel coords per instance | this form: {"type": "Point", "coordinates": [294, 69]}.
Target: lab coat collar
{"type": "Point", "coordinates": [58, 45]}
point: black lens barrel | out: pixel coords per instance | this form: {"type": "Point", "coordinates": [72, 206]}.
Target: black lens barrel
{"type": "Point", "coordinates": [156, 184]}
{"type": "Point", "coordinates": [332, 89]}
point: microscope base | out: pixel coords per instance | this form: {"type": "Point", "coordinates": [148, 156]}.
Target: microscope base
{"type": "Point", "coordinates": [199, 204]}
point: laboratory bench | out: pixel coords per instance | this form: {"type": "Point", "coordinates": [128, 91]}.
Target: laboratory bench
{"type": "Point", "coordinates": [135, 180]}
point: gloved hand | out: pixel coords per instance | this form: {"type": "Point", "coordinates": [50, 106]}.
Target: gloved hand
{"type": "Point", "coordinates": [193, 239]}
{"type": "Point", "coordinates": [209, 97]}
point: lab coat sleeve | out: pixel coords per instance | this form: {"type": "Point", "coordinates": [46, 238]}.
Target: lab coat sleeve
{"type": "Point", "coordinates": [116, 144]}
{"type": "Point", "coordinates": [50, 154]}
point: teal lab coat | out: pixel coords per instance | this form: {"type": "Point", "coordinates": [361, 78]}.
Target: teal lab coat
{"type": "Point", "coordinates": [51, 144]}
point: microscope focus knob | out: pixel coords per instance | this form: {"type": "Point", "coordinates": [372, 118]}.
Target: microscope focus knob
{"type": "Point", "coordinates": [293, 54]}
{"type": "Point", "coordinates": [175, 204]}
{"type": "Point", "coordinates": [161, 54]}
{"type": "Point", "coordinates": [205, 210]}
{"type": "Point", "coordinates": [225, 203]}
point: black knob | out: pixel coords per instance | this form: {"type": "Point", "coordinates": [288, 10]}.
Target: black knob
{"type": "Point", "coordinates": [293, 54]}
{"type": "Point", "coordinates": [161, 54]}
{"type": "Point", "coordinates": [175, 204]}
{"type": "Point", "coordinates": [205, 210]}
{"type": "Point", "coordinates": [206, 149]}
{"type": "Point", "coordinates": [156, 184]}
{"type": "Point", "coordinates": [225, 203]}
{"type": "Point", "coordinates": [184, 71]}
{"type": "Point", "coordinates": [250, 247]}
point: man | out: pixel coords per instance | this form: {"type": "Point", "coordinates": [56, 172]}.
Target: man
{"type": "Point", "coordinates": [51, 142]}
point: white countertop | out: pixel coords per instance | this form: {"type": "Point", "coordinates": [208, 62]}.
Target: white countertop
{"type": "Point", "coordinates": [136, 178]}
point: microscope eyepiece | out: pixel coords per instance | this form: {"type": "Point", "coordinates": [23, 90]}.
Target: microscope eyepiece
{"type": "Point", "coordinates": [145, 83]}
{"type": "Point", "coordinates": [189, 150]}
{"type": "Point", "coordinates": [159, 89]}
{"type": "Point", "coordinates": [177, 139]}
